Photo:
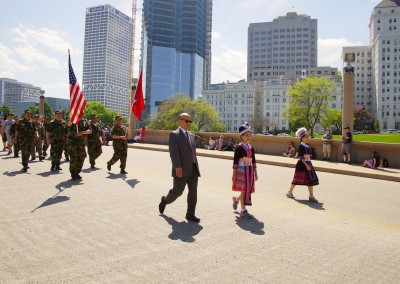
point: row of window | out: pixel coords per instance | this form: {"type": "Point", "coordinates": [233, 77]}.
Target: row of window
{"type": "Point", "coordinates": [284, 30]}
{"type": "Point", "coordinates": [288, 42]}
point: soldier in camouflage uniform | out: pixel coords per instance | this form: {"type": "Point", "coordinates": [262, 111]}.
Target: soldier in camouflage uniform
{"type": "Point", "coordinates": [120, 145]}
{"type": "Point", "coordinates": [66, 145]}
{"type": "Point", "coordinates": [94, 142]}
{"type": "Point", "coordinates": [39, 142]}
{"type": "Point", "coordinates": [13, 130]}
{"type": "Point", "coordinates": [45, 125]}
{"type": "Point", "coordinates": [25, 135]}
{"type": "Point", "coordinates": [55, 136]}
{"type": "Point", "coordinates": [77, 143]}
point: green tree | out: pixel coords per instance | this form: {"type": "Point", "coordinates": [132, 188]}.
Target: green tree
{"type": "Point", "coordinates": [309, 101]}
{"type": "Point", "coordinates": [105, 115]}
{"type": "Point", "coordinates": [361, 118]}
{"type": "Point", "coordinates": [218, 127]}
{"type": "Point", "coordinates": [376, 124]}
{"type": "Point", "coordinates": [5, 109]}
{"type": "Point", "coordinates": [204, 116]}
{"type": "Point", "coordinates": [333, 118]}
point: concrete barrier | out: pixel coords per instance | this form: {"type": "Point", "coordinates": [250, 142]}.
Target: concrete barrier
{"type": "Point", "coordinates": [276, 145]}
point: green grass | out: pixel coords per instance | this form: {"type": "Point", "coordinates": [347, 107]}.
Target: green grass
{"type": "Point", "coordinates": [383, 138]}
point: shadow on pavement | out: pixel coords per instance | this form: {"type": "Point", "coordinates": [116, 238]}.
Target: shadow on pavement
{"type": "Point", "coordinates": [318, 206]}
{"type": "Point", "coordinates": [51, 201]}
{"type": "Point", "coordinates": [67, 184]}
{"type": "Point", "coordinates": [10, 157]}
{"type": "Point", "coordinates": [131, 182]}
{"type": "Point", "coordinates": [184, 231]}
{"type": "Point", "coordinates": [88, 171]}
{"type": "Point", "coordinates": [14, 173]}
{"type": "Point", "coordinates": [115, 176]}
{"type": "Point", "coordinates": [50, 173]}
{"type": "Point", "coordinates": [252, 225]}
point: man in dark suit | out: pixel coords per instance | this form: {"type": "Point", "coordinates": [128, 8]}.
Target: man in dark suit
{"type": "Point", "coordinates": [185, 168]}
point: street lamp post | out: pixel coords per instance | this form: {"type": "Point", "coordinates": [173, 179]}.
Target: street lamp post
{"type": "Point", "coordinates": [348, 91]}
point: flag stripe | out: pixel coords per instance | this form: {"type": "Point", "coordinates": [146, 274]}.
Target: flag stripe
{"type": "Point", "coordinates": [138, 103]}
{"type": "Point", "coordinates": [77, 100]}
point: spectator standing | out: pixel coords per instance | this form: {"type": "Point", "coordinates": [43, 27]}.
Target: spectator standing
{"type": "Point", "coordinates": [327, 144]}
{"type": "Point", "coordinates": [347, 138]}
{"type": "Point", "coordinates": [7, 125]}
{"type": "Point", "coordinates": [143, 134]}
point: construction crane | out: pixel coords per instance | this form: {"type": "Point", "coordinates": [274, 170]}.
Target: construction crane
{"type": "Point", "coordinates": [232, 73]}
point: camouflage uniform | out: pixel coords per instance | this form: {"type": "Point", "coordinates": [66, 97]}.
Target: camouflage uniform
{"type": "Point", "coordinates": [26, 139]}
{"type": "Point", "coordinates": [76, 149]}
{"type": "Point", "coordinates": [45, 146]}
{"type": "Point", "coordinates": [66, 148]}
{"type": "Point", "coordinates": [94, 143]}
{"type": "Point", "coordinates": [13, 129]}
{"type": "Point", "coordinates": [120, 147]}
{"type": "Point", "coordinates": [57, 130]}
{"type": "Point", "coordinates": [38, 144]}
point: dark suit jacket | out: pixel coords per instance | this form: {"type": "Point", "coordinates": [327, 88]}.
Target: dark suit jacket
{"type": "Point", "coordinates": [181, 152]}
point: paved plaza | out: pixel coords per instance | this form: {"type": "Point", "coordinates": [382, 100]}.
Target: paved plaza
{"type": "Point", "coordinates": [107, 228]}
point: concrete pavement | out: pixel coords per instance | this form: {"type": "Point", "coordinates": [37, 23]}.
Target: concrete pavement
{"type": "Point", "coordinates": [107, 228]}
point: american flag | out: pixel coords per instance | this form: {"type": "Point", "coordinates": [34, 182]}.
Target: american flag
{"type": "Point", "coordinates": [77, 101]}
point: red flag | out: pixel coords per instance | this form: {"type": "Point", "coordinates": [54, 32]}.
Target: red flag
{"type": "Point", "coordinates": [77, 102]}
{"type": "Point", "coordinates": [138, 101]}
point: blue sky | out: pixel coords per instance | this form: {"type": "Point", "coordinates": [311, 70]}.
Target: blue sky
{"type": "Point", "coordinates": [36, 34]}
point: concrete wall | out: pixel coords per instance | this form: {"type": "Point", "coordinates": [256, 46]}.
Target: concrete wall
{"type": "Point", "coordinates": [275, 145]}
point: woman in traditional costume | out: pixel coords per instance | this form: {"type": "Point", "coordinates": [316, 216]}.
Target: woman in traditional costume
{"type": "Point", "coordinates": [244, 172]}
{"type": "Point", "coordinates": [304, 173]}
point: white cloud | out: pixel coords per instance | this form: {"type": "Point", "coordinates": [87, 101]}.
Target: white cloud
{"type": "Point", "coordinates": [330, 51]}
{"type": "Point", "coordinates": [229, 64]}
{"type": "Point", "coordinates": [215, 35]}
{"type": "Point", "coordinates": [31, 55]}
{"type": "Point", "coordinates": [9, 66]}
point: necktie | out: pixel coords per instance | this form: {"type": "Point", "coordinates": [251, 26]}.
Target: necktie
{"type": "Point", "coordinates": [190, 143]}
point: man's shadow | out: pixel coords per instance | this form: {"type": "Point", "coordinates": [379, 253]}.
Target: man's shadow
{"type": "Point", "coordinates": [317, 206]}
{"type": "Point", "coordinates": [14, 173]}
{"type": "Point", "coordinates": [50, 173]}
{"type": "Point", "coordinates": [252, 225]}
{"type": "Point", "coordinates": [131, 182]}
{"type": "Point", "coordinates": [88, 171]}
{"type": "Point", "coordinates": [184, 231]}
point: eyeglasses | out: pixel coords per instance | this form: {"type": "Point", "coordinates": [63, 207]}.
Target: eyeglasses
{"type": "Point", "coordinates": [187, 121]}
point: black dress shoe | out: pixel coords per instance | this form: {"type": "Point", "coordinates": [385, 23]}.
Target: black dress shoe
{"type": "Point", "coordinates": [161, 206]}
{"type": "Point", "coordinates": [193, 218]}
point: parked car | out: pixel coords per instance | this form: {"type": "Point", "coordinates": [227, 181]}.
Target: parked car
{"type": "Point", "coordinates": [392, 130]}
{"type": "Point", "coordinates": [357, 132]}
{"type": "Point", "coordinates": [282, 134]}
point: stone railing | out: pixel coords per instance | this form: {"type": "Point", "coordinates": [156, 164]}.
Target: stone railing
{"type": "Point", "coordinates": [276, 145]}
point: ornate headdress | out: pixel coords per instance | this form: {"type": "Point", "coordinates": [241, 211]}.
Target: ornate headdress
{"type": "Point", "coordinates": [244, 128]}
{"type": "Point", "coordinates": [301, 132]}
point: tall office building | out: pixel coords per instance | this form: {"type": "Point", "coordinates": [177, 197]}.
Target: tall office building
{"type": "Point", "coordinates": [12, 92]}
{"type": "Point", "coordinates": [286, 47]}
{"type": "Point", "coordinates": [106, 57]}
{"type": "Point", "coordinates": [363, 76]}
{"type": "Point", "coordinates": [385, 44]}
{"type": "Point", "coordinates": [176, 49]}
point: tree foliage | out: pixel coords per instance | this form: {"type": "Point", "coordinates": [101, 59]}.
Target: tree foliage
{"type": "Point", "coordinates": [204, 116]}
{"type": "Point", "coordinates": [362, 118]}
{"type": "Point", "coordinates": [258, 123]}
{"type": "Point", "coordinates": [5, 109]}
{"type": "Point", "coordinates": [309, 101]}
{"type": "Point", "coordinates": [105, 115]}
{"type": "Point", "coordinates": [35, 110]}
{"type": "Point", "coordinates": [218, 127]}
{"type": "Point", "coordinates": [333, 119]}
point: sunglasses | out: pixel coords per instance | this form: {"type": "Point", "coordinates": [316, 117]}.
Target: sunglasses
{"type": "Point", "coordinates": [187, 121]}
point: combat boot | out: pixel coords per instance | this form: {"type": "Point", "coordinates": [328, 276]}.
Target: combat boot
{"type": "Point", "coordinates": [109, 166]}
{"type": "Point", "coordinates": [123, 172]}
{"type": "Point", "coordinates": [25, 169]}
{"type": "Point", "coordinates": [57, 168]}
{"type": "Point", "coordinates": [53, 167]}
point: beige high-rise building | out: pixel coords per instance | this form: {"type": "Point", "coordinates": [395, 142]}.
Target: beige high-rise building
{"type": "Point", "coordinates": [385, 43]}
{"type": "Point", "coordinates": [284, 47]}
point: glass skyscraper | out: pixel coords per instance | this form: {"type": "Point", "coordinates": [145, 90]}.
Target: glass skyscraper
{"type": "Point", "coordinates": [106, 57]}
{"type": "Point", "coordinates": [176, 49]}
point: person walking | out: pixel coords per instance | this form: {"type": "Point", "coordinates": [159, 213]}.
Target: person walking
{"type": "Point", "coordinates": [39, 141]}
{"type": "Point", "coordinates": [143, 134]}
{"type": "Point", "coordinates": [55, 135]}
{"type": "Point", "coordinates": [7, 127]}
{"type": "Point", "coordinates": [45, 126]}
{"type": "Point", "coordinates": [95, 139]}
{"type": "Point", "coordinates": [244, 172]}
{"type": "Point", "coordinates": [13, 130]}
{"type": "Point", "coordinates": [185, 167]}
{"type": "Point", "coordinates": [304, 173]}
{"type": "Point", "coordinates": [120, 145]}
{"type": "Point", "coordinates": [327, 144]}
{"type": "Point", "coordinates": [25, 135]}
{"type": "Point", "coordinates": [347, 138]}
{"type": "Point", "coordinates": [76, 144]}
{"type": "Point", "coordinates": [66, 144]}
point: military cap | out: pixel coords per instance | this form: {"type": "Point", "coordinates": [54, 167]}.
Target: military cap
{"type": "Point", "coordinates": [27, 110]}
{"type": "Point", "coordinates": [36, 115]}
{"type": "Point", "coordinates": [93, 116]}
{"type": "Point", "coordinates": [16, 117]}
{"type": "Point", "coordinates": [57, 111]}
{"type": "Point", "coordinates": [118, 117]}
